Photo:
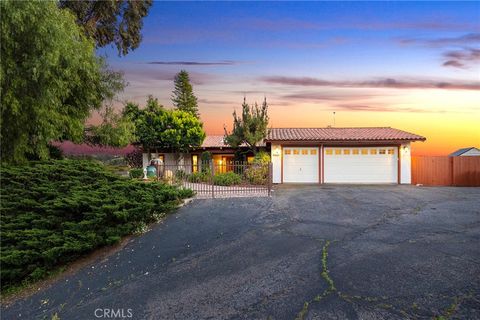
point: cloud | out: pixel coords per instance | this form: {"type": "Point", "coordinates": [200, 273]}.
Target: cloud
{"type": "Point", "coordinates": [322, 96]}
{"type": "Point", "coordinates": [377, 83]}
{"type": "Point", "coordinates": [466, 39]}
{"type": "Point", "coordinates": [461, 58]}
{"type": "Point", "coordinates": [195, 63]}
{"type": "Point", "coordinates": [207, 101]}
{"type": "Point", "coordinates": [381, 108]}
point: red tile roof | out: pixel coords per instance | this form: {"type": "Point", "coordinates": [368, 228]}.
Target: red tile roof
{"type": "Point", "coordinates": [341, 134]}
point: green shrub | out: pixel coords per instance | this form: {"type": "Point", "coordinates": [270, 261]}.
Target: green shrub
{"type": "Point", "coordinates": [53, 212]}
{"type": "Point", "coordinates": [257, 173]}
{"type": "Point", "coordinates": [199, 177]}
{"type": "Point", "coordinates": [226, 179]}
{"type": "Point", "coordinates": [136, 173]}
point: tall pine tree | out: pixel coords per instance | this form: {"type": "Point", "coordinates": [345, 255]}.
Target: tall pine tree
{"type": "Point", "coordinates": [183, 98]}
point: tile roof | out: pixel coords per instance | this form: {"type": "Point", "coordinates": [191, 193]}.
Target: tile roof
{"type": "Point", "coordinates": [217, 141]}
{"type": "Point", "coordinates": [341, 134]}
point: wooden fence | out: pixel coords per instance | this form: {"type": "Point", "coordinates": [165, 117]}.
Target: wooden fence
{"type": "Point", "coordinates": [446, 171]}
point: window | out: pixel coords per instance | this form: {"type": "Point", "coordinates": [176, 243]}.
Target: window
{"type": "Point", "coordinates": [313, 152]}
{"type": "Point", "coordinates": [304, 151]}
{"type": "Point", "coordinates": [373, 151]}
{"type": "Point", "coordinates": [338, 151]}
{"type": "Point", "coordinates": [355, 151]}
{"type": "Point", "coordinates": [288, 151]}
{"type": "Point", "coordinates": [295, 151]}
{"type": "Point", "coordinates": [382, 151]}
{"type": "Point", "coordinates": [250, 159]}
{"type": "Point", "coordinates": [364, 151]}
{"type": "Point", "coordinates": [194, 163]}
{"type": "Point", "coordinates": [329, 151]}
{"type": "Point", "coordinates": [346, 151]}
{"type": "Point", "coordinates": [391, 151]}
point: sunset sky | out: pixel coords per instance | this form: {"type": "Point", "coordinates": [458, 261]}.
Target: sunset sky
{"type": "Point", "coordinates": [412, 66]}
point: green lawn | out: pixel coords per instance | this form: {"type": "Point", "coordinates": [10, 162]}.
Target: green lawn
{"type": "Point", "coordinates": [53, 212]}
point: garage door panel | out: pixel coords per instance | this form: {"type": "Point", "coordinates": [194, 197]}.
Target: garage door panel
{"type": "Point", "coordinates": [361, 168]}
{"type": "Point", "coordinates": [302, 166]}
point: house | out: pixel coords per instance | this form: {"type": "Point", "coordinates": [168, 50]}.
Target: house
{"type": "Point", "coordinates": [222, 155]}
{"type": "Point", "coordinates": [321, 155]}
{"type": "Point", "coordinates": [465, 152]}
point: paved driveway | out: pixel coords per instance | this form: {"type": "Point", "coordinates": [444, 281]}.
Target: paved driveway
{"type": "Point", "coordinates": [367, 252]}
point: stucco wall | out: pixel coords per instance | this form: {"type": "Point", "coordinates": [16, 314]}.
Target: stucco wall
{"type": "Point", "coordinates": [405, 164]}
{"type": "Point", "coordinates": [276, 156]}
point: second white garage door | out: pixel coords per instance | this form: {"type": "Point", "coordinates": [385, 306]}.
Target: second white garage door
{"type": "Point", "coordinates": [361, 165]}
{"type": "Point", "coordinates": [300, 165]}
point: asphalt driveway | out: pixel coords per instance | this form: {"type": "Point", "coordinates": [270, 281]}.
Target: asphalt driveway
{"type": "Point", "coordinates": [329, 252]}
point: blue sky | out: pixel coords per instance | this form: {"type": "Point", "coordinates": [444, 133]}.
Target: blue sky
{"type": "Point", "coordinates": [363, 59]}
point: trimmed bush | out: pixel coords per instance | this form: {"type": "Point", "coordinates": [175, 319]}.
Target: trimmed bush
{"type": "Point", "coordinates": [53, 212]}
{"type": "Point", "coordinates": [197, 177]}
{"type": "Point", "coordinates": [136, 173]}
{"type": "Point", "coordinates": [226, 179]}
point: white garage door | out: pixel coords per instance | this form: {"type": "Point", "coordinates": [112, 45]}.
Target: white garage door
{"type": "Point", "coordinates": [300, 165]}
{"type": "Point", "coordinates": [361, 165]}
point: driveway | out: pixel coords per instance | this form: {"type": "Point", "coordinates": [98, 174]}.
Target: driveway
{"type": "Point", "coordinates": [328, 252]}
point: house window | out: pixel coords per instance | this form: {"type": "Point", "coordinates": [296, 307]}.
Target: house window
{"type": "Point", "coordinates": [288, 151]}
{"type": "Point", "coordinates": [373, 151]}
{"type": "Point", "coordinates": [355, 151]}
{"type": "Point", "coordinates": [250, 159]}
{"type": "Point", "coordinates": [329, 151]}
{"type": "Point", "coordinates": [304, 151]}
{"type": "Point", "coordinates": [364, 151]}
{"type": "Point", "coordinates": [194, 163]}
{"type": "Point", "coordinates": [391, 151]}
{"type": "Point", "coordinates": [313, 152]}
{"type": "Point", "coordinates": [296, 151]}
{"type": "Point", "coordinates": [382, 151]}
{"type": "Point", "coordinates": [346, 151]}
{"type": "Point", "coordinates": [338, 151]}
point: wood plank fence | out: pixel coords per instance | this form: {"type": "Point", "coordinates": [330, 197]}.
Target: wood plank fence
{"type": "Point", "coordinates": [446, 171]}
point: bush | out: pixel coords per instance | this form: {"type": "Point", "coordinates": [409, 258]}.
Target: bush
{"type": "Point", "coordinates": [198, 177]}
{"type": "Point", "coordinates": [53, 212]}
{"type": "Point", "coordinates": [135, 158]}
{"type": "Point", "coordinates": [257, 173]}
{"type": "Point", "coordinates": [226, 179]}
{"type": "Point", "coordinates": [136, 173]}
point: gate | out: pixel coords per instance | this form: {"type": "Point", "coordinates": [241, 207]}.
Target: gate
{"type": "Point", "coordinates": [220, 180]}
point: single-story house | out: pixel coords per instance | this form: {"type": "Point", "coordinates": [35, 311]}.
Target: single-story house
{"type": "Point", "coordinates": [466, 152]}
{"type": "Point", "coordinates": [322, 155]}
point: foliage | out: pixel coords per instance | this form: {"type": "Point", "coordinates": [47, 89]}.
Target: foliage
{"type": "Point", "coordinates": [53, 212]}
{"type": "Point", "coordinates": [196, 177]}
{"type": "Point", "coordinates": [258, 172]}
{"type": "Point", "coordinates": [261, 158]}
{"type": "Point", "coordinates": [115, 130]}
{"type": "Point", "coordinates": [50, 78]}
{"type": "Point", "coordinates": [183, 98]}
{"type": "Point", "coordinates": [136, 173]}
{"type": "Point", "coordinates": [226, 179]}
{"type": "Point", "coordinates": [135, 158]}
{"type": "Point", "coordinates": [118, 21]}
{"type": "Point", "coordinates": [175, 130]}
{"type": "Point", "coordinates": [251, 128]}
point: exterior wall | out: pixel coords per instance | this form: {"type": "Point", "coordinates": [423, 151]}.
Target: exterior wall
{"type": "Point", "coordinates": [405, 164]}
{"type": "Point", "coordinates": [471, 153]}
{"type": "Point", "coordinates": [184, 159]}
{"type": "Point", "coordinates": [276, 156]}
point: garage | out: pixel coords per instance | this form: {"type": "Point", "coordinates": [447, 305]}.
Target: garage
{"type": "Point", "coordinates": [301, 164]}
{"type": "Point", "coordinates": [361, 165]}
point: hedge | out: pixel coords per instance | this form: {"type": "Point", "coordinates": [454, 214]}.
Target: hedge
{"type": "Point", "coordinates": [53, 212]}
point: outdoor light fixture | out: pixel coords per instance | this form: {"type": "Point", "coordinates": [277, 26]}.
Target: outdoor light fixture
{"type": "Point", "coordinates": [276, 151]}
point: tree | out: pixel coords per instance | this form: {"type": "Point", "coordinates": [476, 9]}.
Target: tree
{"type": "Point", "coordinates": [50, 78]}
{"type": "Point", "coordinates": [183, 98]}
{"type": "Point", "coordinates": [117, 21]}
{"type": "Point", "coordinates": [115, 130]}
{"type": "Point", "coordinates": [251, 128]}
{"type": "Point", "coordinates": [157, 127]}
